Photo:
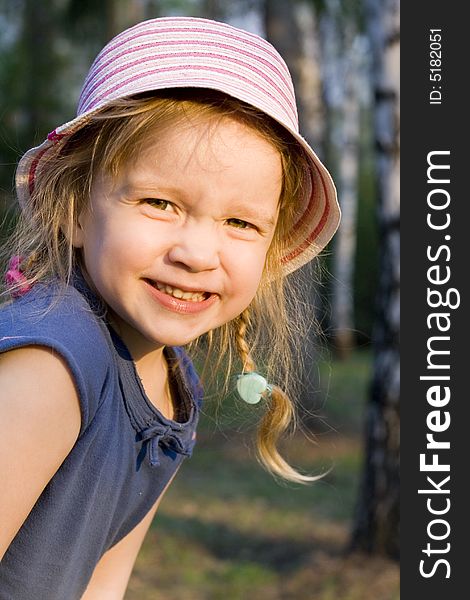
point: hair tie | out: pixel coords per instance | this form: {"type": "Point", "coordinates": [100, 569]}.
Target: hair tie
{"type": "Point", "coordinates": [15, 278]}
{"type": "Point", "coordinates": [252, 386]}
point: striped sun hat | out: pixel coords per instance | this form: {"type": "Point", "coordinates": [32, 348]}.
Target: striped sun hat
{"type": "Point", "coordinates": [187, 52]}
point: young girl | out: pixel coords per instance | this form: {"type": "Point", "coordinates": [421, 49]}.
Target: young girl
{"type": "Point", "coordinates": [173, 206]}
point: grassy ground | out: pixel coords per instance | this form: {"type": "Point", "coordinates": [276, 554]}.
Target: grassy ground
{"type": "Point", "coordinates": [226, 530]}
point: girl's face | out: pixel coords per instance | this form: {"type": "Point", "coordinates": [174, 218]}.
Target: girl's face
{"type": "Point", "coordinates": [176, 244]}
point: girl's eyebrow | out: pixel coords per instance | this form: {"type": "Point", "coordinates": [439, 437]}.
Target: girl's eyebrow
{"type": "Point", "coordinates": [253, 213]}
{"type": "Point", "coordinates": [142, 188]}
{"type": "Point", "coordinates": [243, 210]}
{"type": "Point", "coordinates": [138, 184]}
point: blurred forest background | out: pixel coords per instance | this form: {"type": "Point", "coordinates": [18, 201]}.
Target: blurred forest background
{"type": "Point", "coordinates": [225, 529]}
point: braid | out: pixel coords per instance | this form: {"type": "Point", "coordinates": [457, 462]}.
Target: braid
{"type": "Point", "coordinates": [242, 345]}
{"type": "Point", "coordinates": [279, 415]}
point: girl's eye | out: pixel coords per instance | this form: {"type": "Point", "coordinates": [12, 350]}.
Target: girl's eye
{"type": "Point", "coordinates": [157, 203]}
{"type": "Point", "coordinates": [240, 224]}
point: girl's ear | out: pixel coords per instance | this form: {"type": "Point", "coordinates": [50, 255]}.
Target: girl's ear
{"type": "Point", "coordinates": [76, 233]}
{"type": "Point", "coordinates": [73, 230]}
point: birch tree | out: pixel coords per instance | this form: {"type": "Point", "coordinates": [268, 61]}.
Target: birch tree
{"type": "Point", "coordinates": [343, 64]}
{"type": "Point", "coordinates": [292, 27]}
{"type": "Point", "coordinates": [376, 527]}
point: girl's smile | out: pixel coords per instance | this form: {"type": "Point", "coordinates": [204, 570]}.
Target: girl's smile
{"type": "Point", "coordinates": [178, 300]}
{"type": "Point", "coordinates": [176, 243]}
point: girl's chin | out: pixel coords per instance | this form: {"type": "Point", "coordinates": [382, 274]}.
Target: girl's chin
{"type": "Point", "coordinates": [170, 330]}
{"type": "Point", "coordinates": [173, 338]}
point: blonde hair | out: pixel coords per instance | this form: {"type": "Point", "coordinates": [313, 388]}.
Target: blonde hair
{"type": "Point", "coordinates": [112, 138]}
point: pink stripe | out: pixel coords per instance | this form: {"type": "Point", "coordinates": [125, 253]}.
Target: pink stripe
{"type": "Point", "coordinates": [207, 26]}
{"type": "Point", "coordinates": [255, 41]}
{"type": "Point", "coordinates": [313, 234]}
{"type": "Point", "coordinates": [126, 52]}
{"type": "Point", "coordinates": [210, 25]}
{"type": "Point", "coordinates": [182, 68]}
{"type": "Point", "coordinates": [53, 137]}
{"type": "Point", "coordinates": [32, 169]}
{"type": "Point", "coordinates": [186, 54]}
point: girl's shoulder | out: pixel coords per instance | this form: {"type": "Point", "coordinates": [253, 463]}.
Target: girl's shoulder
{"type": "Point", "coordinates": [50, 312]}
{"type": "Point", "coordinates": [58, 317]}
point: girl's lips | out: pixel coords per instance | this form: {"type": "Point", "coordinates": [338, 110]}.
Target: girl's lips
{"type": "Point", "coordinates": [178, 304]}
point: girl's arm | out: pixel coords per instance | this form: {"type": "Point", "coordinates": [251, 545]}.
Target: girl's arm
{"type": "Point", "coordinates": [39, 424]}
{"type": "Point", "coordinates": [112, 573]}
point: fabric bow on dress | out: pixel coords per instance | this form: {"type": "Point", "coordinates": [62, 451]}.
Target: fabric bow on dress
{"type": "Point", "coordinates": [161, 435]}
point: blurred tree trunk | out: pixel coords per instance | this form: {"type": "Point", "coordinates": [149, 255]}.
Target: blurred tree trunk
{"type": "Point", "coordinates": [120, 14]}
{"type": "Point", "coordinates": [376, 526]}
{"type": "Point", "coordinates": [343, 66]}
{"type": "Point", "coordinates": [213, 9]}
{"type": "Point", "coordinates": [292, 28]}
{"type": "Point", "coordinates": [40, 70]}
{"type": "Point", "coordinates": [151, 9]}
{"type": "Point", "coordinates": [99, 22]}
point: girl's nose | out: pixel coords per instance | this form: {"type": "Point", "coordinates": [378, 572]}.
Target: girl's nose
{"type": "Point", "coordinates": [196, 249]}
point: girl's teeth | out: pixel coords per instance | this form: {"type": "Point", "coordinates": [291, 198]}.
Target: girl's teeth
{"type": "Point", "coordinates": [177, 293]}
